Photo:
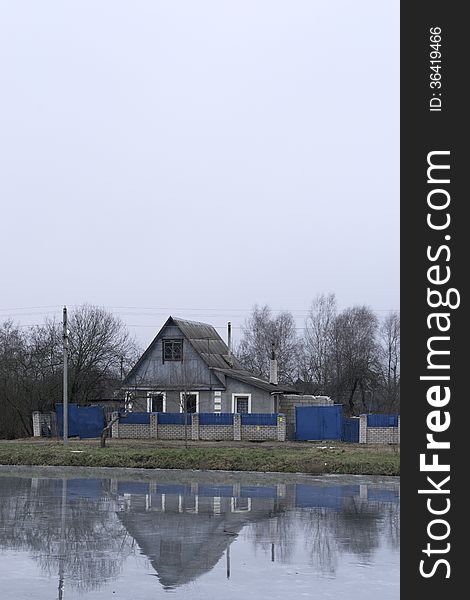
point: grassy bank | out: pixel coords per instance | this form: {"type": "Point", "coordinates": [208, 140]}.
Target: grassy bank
{"type": "Point", "coordinates": [331, 457]}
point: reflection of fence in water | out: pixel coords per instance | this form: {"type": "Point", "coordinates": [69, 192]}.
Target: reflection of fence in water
{"type": "Point", "coordinates": [187, 498]}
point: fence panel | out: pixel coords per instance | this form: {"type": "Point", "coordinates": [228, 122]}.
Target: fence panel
{"type": "Point", "coordinates": [215, 418]}
{"type": "Point", "coordinates": [73, 424]}
{"type": "Point", "coordinates": [259, 418]}
{"type": "Point", "coordinates": [83, 421]}
{"type": "Point", "coordinates": [135, 418]}
{"type": "Point", "coordinates": [350, 430]}
{"type": "Point", "coordinates": [90, 421]}
{"type": "Point", "coordinates": [174, 418]}
{"type": "Point", "coordinates": [382, 420]}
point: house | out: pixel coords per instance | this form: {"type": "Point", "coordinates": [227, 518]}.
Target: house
{"type": "Point", "coordinates": [188, 362]}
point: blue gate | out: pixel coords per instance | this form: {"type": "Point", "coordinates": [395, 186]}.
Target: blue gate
{"type": "Point", "coordinates": [318, 422]}
{"type": "Point", "coordinates": [84, 421]}
{"type": "Point", "coordinates": [350, 430]}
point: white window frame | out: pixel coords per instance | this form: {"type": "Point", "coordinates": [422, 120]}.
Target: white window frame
{"type": "Point", "coordinates": [240, 395]}
{"type": "Point", "coordinates": [183, 509]}
{"type": "Point", "coordinates": [217, 401]}
{"type": "Point", "coordinates": [149, 396]}
{"type": "Point", "coordinates": [190, 394]}
{"type": "Point", "coordinates": [235, 508]}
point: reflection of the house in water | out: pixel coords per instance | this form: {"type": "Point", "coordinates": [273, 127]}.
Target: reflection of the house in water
{"type": "Point", "coordinates": [185, 529]}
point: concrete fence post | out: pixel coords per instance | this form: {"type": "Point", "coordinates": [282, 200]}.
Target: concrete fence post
{"type": "Point", "coordinates": [195, 427]}
{"type": "Point", "coordinates": [281, 428]}
{"type": "Point", "coordinates": [237, 427]}
{"type": "Point", "coordinates": [363, 429]}
{"type": "Point", "coordinates": [36, 424]}
{"type": "Point", "coordinates": [154, 425]}
{"type": "Point", "coordinates": [115, 427]}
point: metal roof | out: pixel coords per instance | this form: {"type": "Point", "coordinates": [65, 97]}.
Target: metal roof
{"type": "Point", "coordinates": [247, 377]}
{"type": "Point", "coordinates": [207, 343]}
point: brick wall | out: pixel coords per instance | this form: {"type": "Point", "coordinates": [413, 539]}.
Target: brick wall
{"type": "Point", "coordinates": [259, 432]}
{"type": "Point", "coordinates": [132, 430]}
{"type": "Point", "coordinates": [216, 432]}
{"type": "Point", "coordinates": [378, 435]}
{"type": "Point", "coordinates": [172, 432]}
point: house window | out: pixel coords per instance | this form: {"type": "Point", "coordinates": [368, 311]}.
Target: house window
{"type": "Point", "coordinates": [172, 350]}
{"type": "Point", "coordinates": [217, 401]}
{"type": "Point", "coordinates": [241, 403]}
{"type": "Point", "coordinates": [192, 402]}
{"type": "Point", "coordinates": [156, 402]}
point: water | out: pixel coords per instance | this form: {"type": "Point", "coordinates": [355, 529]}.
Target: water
{"type": "Point", "coordinates": [97, 534]}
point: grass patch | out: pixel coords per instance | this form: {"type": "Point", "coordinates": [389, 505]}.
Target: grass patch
{"type": "Point", "coordinates": [304, 458]}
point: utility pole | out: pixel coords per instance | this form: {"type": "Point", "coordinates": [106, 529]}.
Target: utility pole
{"type": "Point", "coordinates": [65, 337]}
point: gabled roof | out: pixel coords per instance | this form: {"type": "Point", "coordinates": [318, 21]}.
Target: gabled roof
{"type": "Point", "coordinates": [213, 351]}
{"type": "Point", "coordinates": [203, 338]}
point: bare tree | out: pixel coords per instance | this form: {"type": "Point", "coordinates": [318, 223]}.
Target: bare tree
{"type": "Point", "coordinates": [317, 344]}
{"type": "Point", "coordinates": [99, 345]}
{"type": "Point", "coordinates": [260, 332]}
{"type": "Point", "coordinates": [188, 378]}
{"type": "Point", "coordinates": [355, 355]}
{"type": "Point", "coordinates": [389, 352]}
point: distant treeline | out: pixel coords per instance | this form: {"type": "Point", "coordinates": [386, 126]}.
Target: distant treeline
{"type": "Point", "coordinates": [350, 355]}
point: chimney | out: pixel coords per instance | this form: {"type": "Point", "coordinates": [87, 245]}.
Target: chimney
{"type": "Point", "coordinates": [229, 341]}
{"type": "Point", "coordinates": [273, 367]}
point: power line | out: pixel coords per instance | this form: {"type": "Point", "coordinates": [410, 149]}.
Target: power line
{"type": "Point", "coordinates": [166, 310]}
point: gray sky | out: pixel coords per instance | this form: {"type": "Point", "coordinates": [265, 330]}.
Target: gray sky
{"type": "Point", "coordinates": [196, 157]}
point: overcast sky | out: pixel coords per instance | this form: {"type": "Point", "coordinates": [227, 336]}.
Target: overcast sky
{"type": "Point", "coordinates": [197, 157]}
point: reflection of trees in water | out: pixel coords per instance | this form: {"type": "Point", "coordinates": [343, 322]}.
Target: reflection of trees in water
{"type": "Point", "coordinates": [356, 528]}
{"type": "Point", "coordinates": [319, 544]}
{"type": "Point", "coordinates": [391, 519]}
{"type": "Point", "coordinates": [279, 529]}
{"type": "Point", "coordinates": [359, 528]}
{"type": "Point", "coordinates": [96, 544]}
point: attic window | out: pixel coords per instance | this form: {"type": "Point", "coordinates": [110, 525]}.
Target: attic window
{"type": "Point", "coordinates": [172, 350]}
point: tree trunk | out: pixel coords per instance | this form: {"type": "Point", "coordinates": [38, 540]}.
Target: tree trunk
{"type": "Point", "coordinates": [351, 397]}
{"type": "Point", "coordinates": [107, 429]}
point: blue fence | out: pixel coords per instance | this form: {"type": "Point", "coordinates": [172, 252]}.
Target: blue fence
{"type": "Point", "coordinates": [350, 430]}
{"type": "Point", "coordinates": [137, 418]}
{"type": "Point", "coordinates": [259, 418]}
{"type": "Point", "coordinates": [143, 418]}
{"type": "Point", "coordinates": [83, 421]}
{"type": "Point", "coordinates": [215, 419]}
{"type": "Point", "coordinates": [174, 418]}
{"type": "Point", "coordinates": [382, 420]}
